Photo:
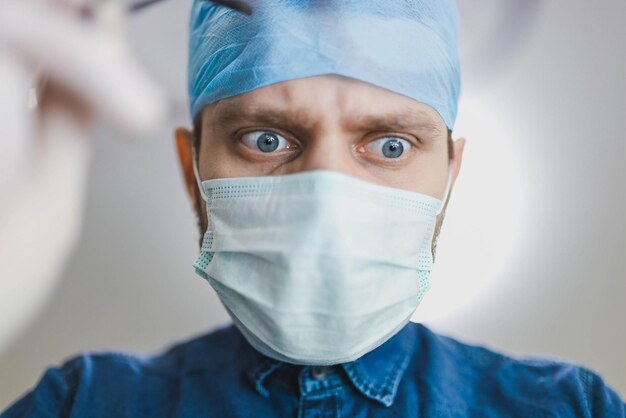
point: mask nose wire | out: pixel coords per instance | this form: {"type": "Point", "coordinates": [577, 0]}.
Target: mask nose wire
{"type": "Point", "coordinates": [196, 174]}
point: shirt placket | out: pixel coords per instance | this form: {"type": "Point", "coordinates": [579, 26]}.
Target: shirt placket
{"type": "Point", "coordinates": [320, 391]}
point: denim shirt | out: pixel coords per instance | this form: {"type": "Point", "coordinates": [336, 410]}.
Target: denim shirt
{"type": "Point", "coordinates": [417, 373]}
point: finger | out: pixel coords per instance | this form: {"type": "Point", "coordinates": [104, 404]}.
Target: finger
{"type": "Point", "coordinates": [17, 122]}
{"type": "Point", "coordinates": [40, 223]}
{"type": "Point", "coordinates": [86, 58]}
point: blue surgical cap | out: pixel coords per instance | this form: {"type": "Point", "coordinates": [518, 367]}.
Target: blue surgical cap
{"type": "Point", "coordinates": [406, 46]}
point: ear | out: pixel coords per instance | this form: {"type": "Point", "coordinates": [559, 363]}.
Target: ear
{"type": "Point", "coordinates": [458, 146]}
{"type": "Point", "coordinates": [184, 144]}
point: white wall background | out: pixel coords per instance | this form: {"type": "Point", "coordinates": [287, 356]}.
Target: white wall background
{"type": "Point", "coordinates": [552, 108]}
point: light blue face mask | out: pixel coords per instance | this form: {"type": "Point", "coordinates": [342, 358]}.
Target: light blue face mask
{"type": "Point", "coordinates": [316, 267]}
{"type": "Point", "coordinates": [409, 47]}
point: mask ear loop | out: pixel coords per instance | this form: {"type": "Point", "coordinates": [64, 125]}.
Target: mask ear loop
{"type": "Point", "coordinates": [197, 174]}
{"type": "Point", "coordinates": [446, 194]}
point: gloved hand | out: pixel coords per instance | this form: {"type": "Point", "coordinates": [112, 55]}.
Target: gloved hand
{"type": "Point", "coordinates": [86, 70]}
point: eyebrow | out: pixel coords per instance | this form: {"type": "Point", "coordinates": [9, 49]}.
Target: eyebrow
{"type": "Point", "coordinates": [230, 114]}
{"type": "Point", "coordinates": [405, 120]}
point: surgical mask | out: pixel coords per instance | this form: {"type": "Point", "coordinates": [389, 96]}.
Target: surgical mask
{"type": "Point", "coordinates": [316, 267]}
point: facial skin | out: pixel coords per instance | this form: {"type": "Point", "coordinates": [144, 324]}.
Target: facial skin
{"type": "Point", "coordinates": [326, 122]}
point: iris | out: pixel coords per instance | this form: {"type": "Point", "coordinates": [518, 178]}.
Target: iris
{"type": "Point", "coordinates": [393, 148]}
{"type": "Point", "coordinates": [267, 142]}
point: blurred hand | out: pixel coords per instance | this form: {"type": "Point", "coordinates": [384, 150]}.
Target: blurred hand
{"type": "Point", "coordinates": [84, 69]}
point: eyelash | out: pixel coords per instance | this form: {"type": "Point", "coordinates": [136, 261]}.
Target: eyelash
{"type": "Point", "coordinates": [264, 131]}
{"type": "Point", "coordinates": [402, 139]}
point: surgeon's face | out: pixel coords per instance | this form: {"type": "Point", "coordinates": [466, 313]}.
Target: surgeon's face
{"type": "Point", "coordinates": [324, 122]}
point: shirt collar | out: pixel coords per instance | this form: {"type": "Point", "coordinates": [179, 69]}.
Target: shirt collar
{"type": "Point", "coordinates": [376, 374]}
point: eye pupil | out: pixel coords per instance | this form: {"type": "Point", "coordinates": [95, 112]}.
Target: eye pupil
{"type": "Point", "coordinates": [393, 148]}
{"type": "Point", "coordinates": [267, 142]}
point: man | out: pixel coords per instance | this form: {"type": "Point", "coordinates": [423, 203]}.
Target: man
{"type": "Point", "coordinates": [320, 164]}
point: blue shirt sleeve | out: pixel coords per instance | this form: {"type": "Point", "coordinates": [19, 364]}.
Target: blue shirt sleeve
{"type": "Point", "coordinates": [50, 398]}
{"type": "Point", "coordinates": [602, 400]}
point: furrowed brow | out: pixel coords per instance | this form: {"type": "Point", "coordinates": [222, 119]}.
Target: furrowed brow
{"type": "Point", "coordinates": [230, 114]}
{"type": "Point", "coordinates": [400, 121]}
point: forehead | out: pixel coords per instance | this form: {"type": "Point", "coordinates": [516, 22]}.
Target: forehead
{"type": "Point", "coordinates": [327, 98]}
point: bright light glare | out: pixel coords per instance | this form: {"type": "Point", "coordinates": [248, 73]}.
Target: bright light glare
{"type": "Point", "coordinates": [483, 217]}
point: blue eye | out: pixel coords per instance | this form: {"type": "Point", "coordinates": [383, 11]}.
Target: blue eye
{"type": "Point", "coordinates": [265, 141]}
{"type": "Point", "coordinates": [389, 147]}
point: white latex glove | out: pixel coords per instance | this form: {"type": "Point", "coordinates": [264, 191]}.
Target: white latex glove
{"type": "Point", "coordinates": [44, 154]}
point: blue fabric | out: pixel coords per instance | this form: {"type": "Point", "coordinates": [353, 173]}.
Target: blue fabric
{"type": "Point", "coordinates": [410, 47]}
{"type": "Point", "coordinates": [417, 373]}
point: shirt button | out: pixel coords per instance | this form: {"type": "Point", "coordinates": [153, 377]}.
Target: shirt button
{"type": "Point", "coordinates": [319, 372]}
